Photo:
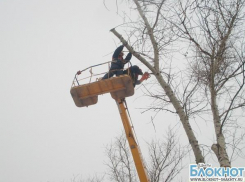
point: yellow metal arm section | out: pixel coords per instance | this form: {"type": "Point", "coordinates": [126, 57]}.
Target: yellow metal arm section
{"type": "Point", "coordinates": [135, 150]}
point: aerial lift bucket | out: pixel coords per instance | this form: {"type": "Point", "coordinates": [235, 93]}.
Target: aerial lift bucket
{"type": "Point", "coordinates": [87, 94]}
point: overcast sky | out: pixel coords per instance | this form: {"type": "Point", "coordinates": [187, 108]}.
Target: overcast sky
{"type": "Point", "coordinates": [43, 135]}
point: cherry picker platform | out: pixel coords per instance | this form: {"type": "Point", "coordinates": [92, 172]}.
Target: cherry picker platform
{"type": "Point", "coordinates": [87, 94]}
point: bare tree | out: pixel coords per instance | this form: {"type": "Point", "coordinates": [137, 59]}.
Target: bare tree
{"type": "Point", "coordinates": [152, 33]}
{"type": "Point", "coordinates": [94, 178]}
{"type": "Point", "coordinates": [120, 163]}
{"type": "Point", "coordinates": [216, 34]}
{"type": "Point", "coordinates": [165, 158]}
{"type": "Point", "coordinates": [165, 161]}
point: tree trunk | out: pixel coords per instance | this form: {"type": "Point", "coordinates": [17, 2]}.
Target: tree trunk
{"type": "Point", "coordinates": [220, 148]}
{"type": "Point", "coordinates": [183, 118]}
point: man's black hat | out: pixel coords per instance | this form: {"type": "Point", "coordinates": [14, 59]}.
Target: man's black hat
{"type": "Point", "coordinates": [137, 70]}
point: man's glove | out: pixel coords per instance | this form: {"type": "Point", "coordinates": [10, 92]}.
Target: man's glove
{"type": "Point", "coordinates": [145, 76]}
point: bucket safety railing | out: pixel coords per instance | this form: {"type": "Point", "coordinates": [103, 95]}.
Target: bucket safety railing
{"type": "Point", "coordinates": [90, 75]}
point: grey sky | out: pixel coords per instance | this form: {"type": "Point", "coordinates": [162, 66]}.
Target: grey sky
{"type": "Point", "coordinates": [43, 135]}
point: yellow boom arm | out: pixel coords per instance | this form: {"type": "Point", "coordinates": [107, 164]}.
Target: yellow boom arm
{"type": "Point", "coordinates": [119, 87]}
{"type": "Point", "coordinates": [135, 150]}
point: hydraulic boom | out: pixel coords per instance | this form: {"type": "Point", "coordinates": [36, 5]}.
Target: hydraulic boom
{"type": "Point", "coordinates": [135, 150]}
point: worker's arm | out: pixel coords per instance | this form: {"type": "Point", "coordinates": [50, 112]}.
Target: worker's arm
{"type": "Point", "coordinates": [128, 57]}
{"type": "Point", "coordinates": [138, 82]}
{"type": "Point", "coordinates": [117, 52]}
